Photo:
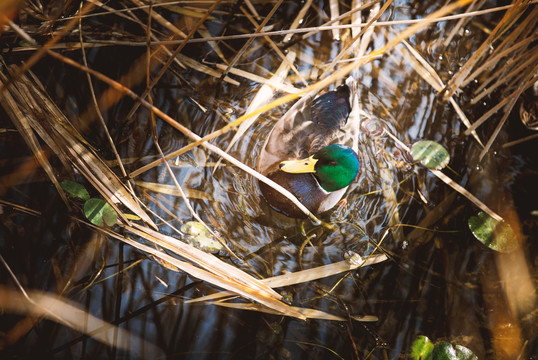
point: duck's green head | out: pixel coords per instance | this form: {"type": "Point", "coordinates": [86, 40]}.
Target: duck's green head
{"type": "Point", "coordinates": [335, 166]}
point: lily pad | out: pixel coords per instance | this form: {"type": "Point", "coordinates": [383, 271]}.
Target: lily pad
{"type": "Point", "coordinates": [462, 353]}
{"type": "Point", "coordinates": [198, 236]}
{"type": "Point", "coordinates": [496, 235]}
{"type": "Point", "coordinates": [422, 348]}
{"type": "Point", "coordinates": [446, 351]}
{"type": "Point", "coordinates": [430, 154]}
{"type": "Point", "coordinates": [99, 212]}
{"type": "Point", "coordinates": [75, 190]}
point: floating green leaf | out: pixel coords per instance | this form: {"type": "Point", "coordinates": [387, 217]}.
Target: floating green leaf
{"type": "Point", "coordinates": [421, 349]}
{"type": "Point", "coordinates": [496, 235]}
{"type": "Point", "coordinates": [75, 190]}
{"type": "Point", "coordinates": [430, 154]}
{"type": "Point", "coordinates": [446, 351]}
{"type": "Point", "coordinates": [462, 353]}
{"type": "Point", "coordinates": [99, 212]}
{"type": "Point", "coordinates": [199, 237]}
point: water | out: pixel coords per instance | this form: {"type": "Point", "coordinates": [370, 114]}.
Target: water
{"type": "Point", "coordinates": [442, 283]}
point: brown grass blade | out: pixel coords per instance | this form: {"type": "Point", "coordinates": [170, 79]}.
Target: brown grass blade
{"type": "Point", "coordinates": [161, 20]}
{"type": "Point", "coordinates": [335, 13]}
{"type": "Point", "coordinates": [498, 106]}
{"type": "Point", "coordinates": [52, 307]}
{"type": "Point", "coordinates": [307, 312]}
{"type": "Point", "coordinates": [298, 19]}
{"type": "Point", "coordinates": [172, 190]}
{"type": "Point", "coordinates": [509, 108]}
{"type": "Point", "coordinates": [512, 14]}
{"type": "Point", "coordinates": [195, 65]}
{"type": "Point", "coordinates": [275, 82]}
{"type": "Point", "coordinates": [428, 73]}
{"type": "Point", "coordinates": [307, 275]}
{"type": "Point", "coordinates": [244, 48]}
{"type": "Point", "coordinates": [356, 39]}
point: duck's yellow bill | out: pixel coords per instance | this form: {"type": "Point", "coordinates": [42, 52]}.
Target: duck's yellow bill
{"type": "Point", "coordinates": [299, 166]}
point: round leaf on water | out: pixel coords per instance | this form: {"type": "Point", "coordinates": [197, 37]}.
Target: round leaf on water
{"type": "Point", "coordinates": [199, 237]}
{"type": "Point", "coordinates": [421, 349]}
{"type": "Point", "coordinates": [430, 154]}
{"type": "Point", "coordinates": [498, 236]}
{"type": "Point", "coordinates": [99, 212]}
{"type": "Point", "coordinates": [462, 353]}
{"type": "Point", "coordinates": [75, 190]}
{"type": "Point", "coordinates": [444, 351]}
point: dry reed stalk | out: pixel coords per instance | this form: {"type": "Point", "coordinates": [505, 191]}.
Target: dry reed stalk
{"type": "Point", "coordinates": [39, 305]}
{"type": "Point", "coordinates": [45, 48]}
{"type": "Point", "coordinates": [259, 30]}
{"type": "Point", "coordinates": [307, 275]}
{"type": "Point", "coordinates": [428, 73]}
{"type": "Point", "coordinates": [307, 312]}
{"type": "Point", "coordinates": [512, 15]}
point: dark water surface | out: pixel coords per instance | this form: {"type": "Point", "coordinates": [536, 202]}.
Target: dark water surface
{"type": "Point", "coordinates": [442, 283]}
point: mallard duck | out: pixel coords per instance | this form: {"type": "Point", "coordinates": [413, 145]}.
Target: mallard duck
{"type": "Point", "coordinates": [312, 152]}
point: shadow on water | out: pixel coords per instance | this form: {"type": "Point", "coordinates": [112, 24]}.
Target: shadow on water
{"type": "Point", "coordinates": [439, 282]}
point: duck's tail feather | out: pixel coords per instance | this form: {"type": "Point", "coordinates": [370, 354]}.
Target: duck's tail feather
{"type": "Point", "coordinates": [354, 119]}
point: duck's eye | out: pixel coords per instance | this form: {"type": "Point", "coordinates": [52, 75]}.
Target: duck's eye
{"type": "Point", "coordinates": [332, 163]}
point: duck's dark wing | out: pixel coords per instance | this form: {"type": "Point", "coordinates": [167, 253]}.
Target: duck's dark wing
{"type": "Point", "coordinates": [331, 109]}
{"type": "Point", "coordinates": [303, 186]}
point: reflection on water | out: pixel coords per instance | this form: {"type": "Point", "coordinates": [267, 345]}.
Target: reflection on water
{"type": "Point", "coordinates": [434, 283]}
